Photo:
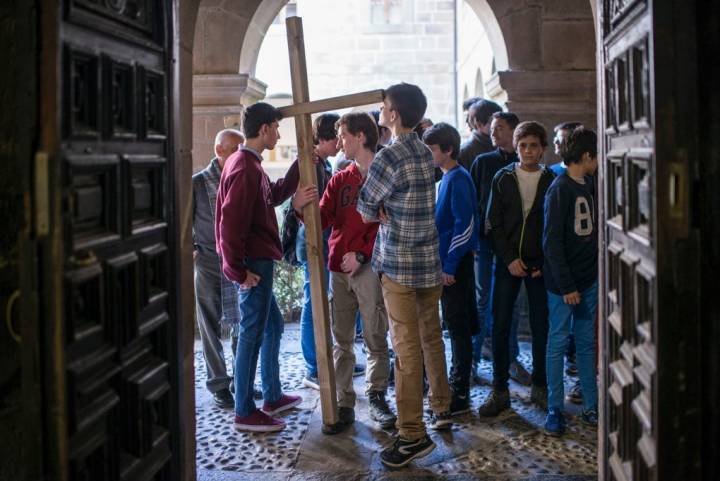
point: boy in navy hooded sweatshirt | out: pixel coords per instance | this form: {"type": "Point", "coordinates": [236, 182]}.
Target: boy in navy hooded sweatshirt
{"type": "Point", "coordinates": [570, 244]}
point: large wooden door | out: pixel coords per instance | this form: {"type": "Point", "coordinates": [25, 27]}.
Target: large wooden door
{"type": "Point", "coordinates": [649, 306]}
{"type": "Point", "coordinates": [109, 279]}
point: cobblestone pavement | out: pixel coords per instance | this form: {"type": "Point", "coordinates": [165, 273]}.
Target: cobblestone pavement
{"type": "Point", "coordinates": [510, 447]}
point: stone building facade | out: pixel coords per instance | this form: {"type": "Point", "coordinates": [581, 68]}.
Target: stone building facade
{"type": "Point", "coordinates": [536, 58]}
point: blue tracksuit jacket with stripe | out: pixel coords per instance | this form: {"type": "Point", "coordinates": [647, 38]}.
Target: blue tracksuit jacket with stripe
{"type": "Point", "coordinates": [456, 217]}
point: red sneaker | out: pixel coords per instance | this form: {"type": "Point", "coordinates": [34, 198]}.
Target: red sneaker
{"type": "Point", "coordinates": [259, 422]}
{"type": "Point", "coordinates": [284, 403]}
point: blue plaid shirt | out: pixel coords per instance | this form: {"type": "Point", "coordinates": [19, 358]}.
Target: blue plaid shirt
{"type": "Point", "coordinates": [402, 180]}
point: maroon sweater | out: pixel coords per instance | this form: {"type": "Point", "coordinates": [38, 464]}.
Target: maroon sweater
{"type": "Point", "coordinates": [245, 222]}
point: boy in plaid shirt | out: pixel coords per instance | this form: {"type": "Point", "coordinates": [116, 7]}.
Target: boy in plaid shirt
{"type": "Point", "coordinates": [400, 192]}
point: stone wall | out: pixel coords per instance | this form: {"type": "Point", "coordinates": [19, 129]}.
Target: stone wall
{"type": "Point", "coordinates": [544, 52]}
{"type": "Point", "coordinates": [352, 49]}
{"type": "Point", "coordinates": [551, 60]}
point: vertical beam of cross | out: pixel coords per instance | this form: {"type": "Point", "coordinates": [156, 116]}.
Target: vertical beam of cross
{"type": "Point", "coordinates": [313, 227]}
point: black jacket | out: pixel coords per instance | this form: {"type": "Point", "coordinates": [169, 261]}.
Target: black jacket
{"type": "Point", "coordinates": [483, 169]}
{"type": "Point", "coordinates": [477, 144]}
{"type": "Point", "coordinates": [512, 235]}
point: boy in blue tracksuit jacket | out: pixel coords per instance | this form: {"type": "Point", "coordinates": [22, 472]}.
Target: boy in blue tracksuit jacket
{"type": "Point", "coordinates": [457, 221]}
{"type": "Point", "coordinates": [570, 244]}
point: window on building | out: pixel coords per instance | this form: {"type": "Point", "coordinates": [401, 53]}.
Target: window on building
{"type": "Point", "coordinates": [479, 84]}
{"type": "Point", "coordinates": [386, 12]}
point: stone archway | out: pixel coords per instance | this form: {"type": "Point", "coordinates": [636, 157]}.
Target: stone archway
{"type": "Point", "coordinates": [494, 32]}
{"type": "Point", "coordinates": [541, 78]}
{"type": "Point", "coordinates": [540, 74]}
{"type": "Point", "coordinates": [227, 39]}
{"type": "Point", "coordinates": [549, 68]}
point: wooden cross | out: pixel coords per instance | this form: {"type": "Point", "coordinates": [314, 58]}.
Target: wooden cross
{"type": "Point", "coordinates": [301, 110]}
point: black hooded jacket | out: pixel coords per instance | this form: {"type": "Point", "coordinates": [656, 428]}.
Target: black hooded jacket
{"type": "Point", "coordinates": [512, 235]}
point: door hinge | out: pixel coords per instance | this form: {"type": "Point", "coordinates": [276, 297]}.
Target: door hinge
{"type": "Point", "coordinates": [41, 212]}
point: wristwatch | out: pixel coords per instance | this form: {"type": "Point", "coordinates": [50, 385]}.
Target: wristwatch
{"type": "Point", "coordinates": [360, 257]}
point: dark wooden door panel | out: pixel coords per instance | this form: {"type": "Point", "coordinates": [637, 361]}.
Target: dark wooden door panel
{"type": "Point", "coordinates": [629, 434]}
{"type": "Point", "coordinates": [119, 302]}
{"type": "Point", "coordinates": [648, 312]}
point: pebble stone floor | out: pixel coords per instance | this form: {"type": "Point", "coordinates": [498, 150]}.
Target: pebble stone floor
{"type": "Point", "coordinates": [510, 447]}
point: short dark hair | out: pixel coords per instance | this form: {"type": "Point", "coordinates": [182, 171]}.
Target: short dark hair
{"type": "Point", "coordinates": [422, 126]}
{"type": "Point", "coordinates": [376, 115]}
{"type": "Point", "coordinates": [567, 126]}
{"type": "Point", "coordinates": [445, 136]}
{"type": "Point", "coordinates": [510, 118]}
{"type": "Point", "coordinates": [484, 110]}
{"type": "Point", "coordinates": [408, 101]}
{"type": "Point", "coordinates": [469, 101]}
{"type": "Point", "coordinates": [530, 128]}
{"type": "Point", "coordinates": [257, 115]}
{"type": "Point", "coordinates": [580, 141]}
{"type": "Point", "coordinates": [356, 122]}
{"type": "Point", "coordinates": [323, 127]}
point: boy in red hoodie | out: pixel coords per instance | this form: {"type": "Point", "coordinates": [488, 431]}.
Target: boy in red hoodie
{"type": "Point", "coordinates": [353, 284]}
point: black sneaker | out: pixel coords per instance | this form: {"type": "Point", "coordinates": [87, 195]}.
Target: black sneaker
{"type": "Point", "coordinates": [346, 416]}
{"type": "Point", "coordinates": [538, 395]}
{"type": "Point", "coordinates": [257, 393]}
{"type": "Point", "coordinates": [496, 402]}
{"type": "Point", "coordinates": [459, 404]}
{"type": "Point", "coordinates": [590, 417]}
{"type": "Point", "coordinates": [224, 399]}
{"type": "Point", "coordinates": [403, 452]}
{"type": "Point", "coordinates": [358, 370]}
{"type": "Point", "coordinates": [575, 394]}
{"type": "Point", "coordinates": [380, 412]}
{"type": "Point", "coordinates": [518, 372]}
{"type": "Point", "coordinates": [440, 421]}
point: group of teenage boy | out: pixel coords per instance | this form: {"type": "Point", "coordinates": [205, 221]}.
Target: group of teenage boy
{"type": "Point", "coordinates": [396, 248]}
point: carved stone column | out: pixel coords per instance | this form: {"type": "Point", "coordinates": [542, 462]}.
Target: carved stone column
{"type": "Point", "coordinates": [548, 96]}
{"type": "Point", "coordinates": [218, 101]}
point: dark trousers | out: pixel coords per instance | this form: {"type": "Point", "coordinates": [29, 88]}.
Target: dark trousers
{"type": "Point", "coordinates": [208, 310]}
{"type": "Point", "coordinates": [459, 311]}
{"type": "Point", "coordinates": [504, 294]}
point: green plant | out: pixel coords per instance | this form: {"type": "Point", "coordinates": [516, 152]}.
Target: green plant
{"type": "Point", "coordinates": [288, 290]}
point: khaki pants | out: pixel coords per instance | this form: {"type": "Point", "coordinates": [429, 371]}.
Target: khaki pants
{"type": "Point", "coordinates": [415, 334]}
{"type": "Point", "coordinates": [350, 293]}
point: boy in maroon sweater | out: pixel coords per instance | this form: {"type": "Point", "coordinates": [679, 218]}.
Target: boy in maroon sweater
{"type": "Point", "coordinates": [248, 242]}
{"type": "Point", "coordinates": [353, 284]}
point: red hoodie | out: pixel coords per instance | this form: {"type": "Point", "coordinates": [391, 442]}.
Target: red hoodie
{"type": "Point", "coordinates": [245, 222]}
{"type": "Point", "coordinates": [337, 209]}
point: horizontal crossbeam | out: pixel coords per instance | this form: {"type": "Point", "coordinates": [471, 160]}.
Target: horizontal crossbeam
{"type": "Point", "coordinates": [333, 103]}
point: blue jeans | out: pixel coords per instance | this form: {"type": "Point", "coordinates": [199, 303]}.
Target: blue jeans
{"type": "Point", "coordinates": [484, 264]}
{"type": "Point", "coordinates": [261, 327]}
{"type": "Point", "coordinates": [580, 320]}
{"type": "Point", "coordinates": [307, 336]}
